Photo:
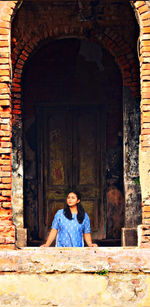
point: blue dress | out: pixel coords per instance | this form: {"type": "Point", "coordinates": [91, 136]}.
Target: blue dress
{"type": "Point", "coordinates": [70, 232]}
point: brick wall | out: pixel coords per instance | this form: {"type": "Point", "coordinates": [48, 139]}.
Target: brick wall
{"type": "Point", "coordinates": [22, 48]}
{"type": "Point", "coordinates": [7, 229]}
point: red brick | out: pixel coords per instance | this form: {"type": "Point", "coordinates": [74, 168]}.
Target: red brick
{"type": "Point", "coordinates": [145, 95]}
{"type": "Point", "coordinates": [146, 22]}
{"type": "Point", "coordinates": [145, 15]}
{"type": "Point", "coordinates": [4, 60]}
{"type": "Point", "coordinates": [146, 215]}
{"type": "Point", "coordinates": [7, 246]}
{"type": "Point", "coordinates": [6, 192]}
{"type": "Point", "coordinates": [4, 43]}
{"type": "Point", "coordinates": [5, 186]}
{"type": "Point", "coordinates": [4, 79]}
{"type": "Point", "coordinates": [5, 168]}
{"type": "Point", "coordinates": [6, 205]}
{"type": "Point", "coordinates": [146, 66]}
{"type": "Point", "coordinates": [145, 131]}
{"type": "Point", "coordinates": [145, 37]}
{"type": "Point", "coordinates": [4, 103]}
{"type": "Point", "coordinates": [4, 66]}
{"type": "Point", "coordinates": [17, 75]}
{"type": "Point", "coordinates": [146, 83]}
{"type": "Point", "coordinates": [5, 144]}
{"type": "Point", "coordinates": [24, 52]}
{"type": "Point", "coordinates": [5, 127]}
{"type": "Point", "coordinates": [4, 212]}
{"type": "Point", "coordinates": [4, 37]}
{"type": "Point", "coordinates": [19, 66]}
{"type": "Point", "coordinates": [5, 150]}
{"type": "Point", "coordinates": [139, 3]}
{"type": "Point", "coordinates": [16, 80]}
{"type": "Point", "coordinates": [4, 54]}
{"type": "Point", "coordinates": [143, 9]}
{"type": "Point", "coordinates": [146, 29]}
{"type": "Point", "coordinates": [5, 162]}
{"type": "Point", "coordinates": [4, 31]}
{"type": "Point", "coordinates": [146, 209]}
{"type": "Point", "coordinates": [23, 57]}
{"type": "Point", "coordinates": [3, 139]}
{"type": "Point", "coordinates": [4, 96]}
{"type": "Point", "coordinates": [16, 112]}
{"type": "Point", "coordinates": [4, 72]}
{"type": "Point", "coordinates": [5, 25]}
{"type": "Point", "coordinates": [144, 43]}
{"type": "Point", "coordinates": [6, 180]}
{"type": "Point", "coordinates": [4, 133]}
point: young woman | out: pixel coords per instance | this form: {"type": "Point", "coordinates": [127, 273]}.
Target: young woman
{"type": "Point", "coordinates": [71, 225]}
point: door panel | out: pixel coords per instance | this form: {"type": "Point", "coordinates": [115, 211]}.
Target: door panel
{"type": "Point", "coordinates": [87, 142]}
{"type": "Point", "coordinates": [71, 155]}
{"type": "Point", "coordinates": [57, 162]}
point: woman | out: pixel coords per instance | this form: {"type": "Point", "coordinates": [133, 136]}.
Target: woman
{"type": "Point", "coordinates": [71, 225]}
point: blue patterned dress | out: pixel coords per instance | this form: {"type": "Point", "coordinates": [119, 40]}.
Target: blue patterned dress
{"type": "Point", "coordinates": [70, 232]}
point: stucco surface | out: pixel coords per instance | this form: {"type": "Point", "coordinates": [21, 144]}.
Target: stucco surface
{"type": "Point", "coordinates": [74, 289]}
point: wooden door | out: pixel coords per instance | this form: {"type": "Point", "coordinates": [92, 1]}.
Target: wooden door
{"type": "Point", "coordinates": [70, 154]}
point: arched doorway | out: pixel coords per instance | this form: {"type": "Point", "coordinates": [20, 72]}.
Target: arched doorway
{"type": "Point", "coordinates": [72, 101]}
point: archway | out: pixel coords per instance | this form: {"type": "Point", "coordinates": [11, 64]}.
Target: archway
{"type": "Point", "coordinates": [128, 65]}
{"type": "Point", "coordinates": [72, 91]}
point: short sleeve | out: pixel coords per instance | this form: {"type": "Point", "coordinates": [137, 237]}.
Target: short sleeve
{"type": "Point", "coordinates": [87, 227]}
{"type": "Point", "coordinates": [55, 222]}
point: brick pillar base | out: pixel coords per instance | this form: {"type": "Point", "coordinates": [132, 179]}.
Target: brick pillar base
{"type": "Point", "coordinates": [129, 237]}
{"type": "Point", "coordinates": [21, 237]}
{"type": "Point", "coordinates": [143, 236]}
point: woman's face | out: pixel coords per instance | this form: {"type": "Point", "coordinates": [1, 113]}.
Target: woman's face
{"type": "Point", "coordinates": [72, 199]}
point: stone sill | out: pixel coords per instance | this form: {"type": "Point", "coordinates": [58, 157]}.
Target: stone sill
{"type": "Point", "coordinates": [75, 260]}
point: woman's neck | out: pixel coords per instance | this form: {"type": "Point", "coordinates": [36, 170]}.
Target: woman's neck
{"type": "Point", "coordinates": [74, 210]}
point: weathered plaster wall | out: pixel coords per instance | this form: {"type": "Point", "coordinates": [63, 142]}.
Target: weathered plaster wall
{"type": "Point", "coordinates": [74, 289]}
{"type": "Point", "coordinates": [131, 129]}
{"type": "Point", "coordinates": [75, 277]}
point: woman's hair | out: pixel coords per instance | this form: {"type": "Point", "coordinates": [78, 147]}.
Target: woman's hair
{"type": "Point", "coordinates": [80, 209]}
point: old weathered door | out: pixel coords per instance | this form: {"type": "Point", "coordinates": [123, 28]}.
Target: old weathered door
{"type": "Point", "coordinates": [70, 153]}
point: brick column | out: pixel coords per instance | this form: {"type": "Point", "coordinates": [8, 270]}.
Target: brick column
{"type": "Point", "coordinates": [7, 229]}
{"type": "Point", "coordinates": [143, 8]}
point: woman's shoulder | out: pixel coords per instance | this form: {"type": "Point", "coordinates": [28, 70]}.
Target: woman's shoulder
{"type": "Point", "coordinates": [59, 212]}
{"type": "Point", "coordinates": [86, 216]}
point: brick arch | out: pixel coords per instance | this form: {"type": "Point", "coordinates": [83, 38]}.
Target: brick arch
{"type": "Point", "coordinates": [123, 56]}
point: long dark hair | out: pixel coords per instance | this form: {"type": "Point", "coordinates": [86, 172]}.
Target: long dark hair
{"type": "Point", "coordinates": [80, 209]}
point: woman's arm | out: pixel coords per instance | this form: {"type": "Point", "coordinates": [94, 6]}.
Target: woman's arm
{"type": "Point", "coordinates": [88, 240]}
{"type": "Point", "coordinates": [51, 237]}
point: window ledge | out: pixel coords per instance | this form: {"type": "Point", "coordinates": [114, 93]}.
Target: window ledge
{"type": "Point", "coordinates": [78, 260]}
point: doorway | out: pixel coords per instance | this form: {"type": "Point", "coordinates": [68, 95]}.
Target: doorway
{"type": "Point", "coordinates": [71, 154]}
{"type": "Point", "coordinates": [72, 97]}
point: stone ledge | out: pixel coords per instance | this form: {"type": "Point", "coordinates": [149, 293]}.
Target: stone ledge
{"type": "Point", "coordinates": [75, 260]}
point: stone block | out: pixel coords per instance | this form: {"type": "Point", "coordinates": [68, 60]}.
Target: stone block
{"type": "Point", "coordinates": [129, 236]}
{"type": "Point", "coordinates": [21, 237]}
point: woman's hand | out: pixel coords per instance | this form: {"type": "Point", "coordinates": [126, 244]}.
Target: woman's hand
{"type": "Point", "coordinates": [88, 240]}
{"type": "Point", "coordinates": [51, 237]}
{"type": "Point", "coordinates": [44, 245]}
{"type": "Point", "coordinates": [93, 245]}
